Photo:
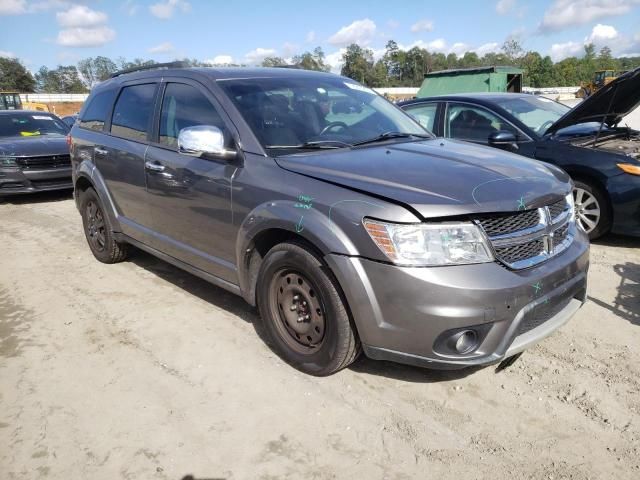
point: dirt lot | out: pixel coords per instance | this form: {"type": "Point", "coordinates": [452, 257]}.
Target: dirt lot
{"type": "Point", "coordinates": [140, 371]}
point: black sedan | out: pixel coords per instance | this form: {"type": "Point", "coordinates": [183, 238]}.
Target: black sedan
{"type": "Point", "coordinates": [602, 156]}
{"type": "Point", "coordinates": [34, 155]}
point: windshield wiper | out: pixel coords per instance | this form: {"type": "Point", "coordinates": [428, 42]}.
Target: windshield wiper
{"type": "Point", "coordinates": [387, 135]}
{"type": "Point", "coordinates": [317, 144]}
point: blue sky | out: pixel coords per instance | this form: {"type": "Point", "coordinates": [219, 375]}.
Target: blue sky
{"type": "Point", "coordinates": [52, 32]}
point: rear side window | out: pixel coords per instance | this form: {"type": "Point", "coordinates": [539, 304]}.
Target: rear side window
{"type": "Point", "coordinates": [133, 111]}
{"type": "Point", "coordinates": [185, 106]}
{"type": "Point", "coordinates": [96, 113]}
{"type": "Point", "coordinates": [425, 114]}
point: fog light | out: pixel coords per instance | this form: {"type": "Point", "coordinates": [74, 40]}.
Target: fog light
{"type": "Point", "coordinates": [467, 341]}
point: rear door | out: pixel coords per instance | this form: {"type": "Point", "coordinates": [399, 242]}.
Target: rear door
{"type": "Point", "coordinates": [121, 158]}
{"type": "Point", "coordinates": [190, 197]}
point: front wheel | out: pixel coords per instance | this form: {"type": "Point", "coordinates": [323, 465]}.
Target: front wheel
{"type": "Point", "coordinates": [303, 313]}
{"type": "Point", "coordinates": [593, 214]}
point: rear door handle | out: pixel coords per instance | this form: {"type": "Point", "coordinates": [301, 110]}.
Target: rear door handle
{"type": "Point", "coordinates": [154, 167]}
{"type": "Point", "coordinates": [99, 151]}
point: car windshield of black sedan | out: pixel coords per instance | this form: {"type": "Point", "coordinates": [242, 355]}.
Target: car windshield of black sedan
{"type": "Point", "coordinates": [31, 125]}
{"type": "Point", "coordinates": [317, 112]}
{"type": "Point", "coordinates": [537, 113]}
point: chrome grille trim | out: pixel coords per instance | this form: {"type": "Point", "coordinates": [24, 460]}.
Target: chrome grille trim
{"type": "Point", "coordinates": [532, 245]}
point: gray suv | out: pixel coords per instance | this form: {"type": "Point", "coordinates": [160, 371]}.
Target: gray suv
{"type": "Point", "coordinates": [349, 226]}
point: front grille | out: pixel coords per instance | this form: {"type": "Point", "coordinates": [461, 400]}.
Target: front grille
{"type": "Point", "coordinates": [520, 252]}
{"type": "Point", "coordinates": [541, 313]}
{"type": "Point", "coordinates": [560, 235]}
{"type": "Point", "coordinates": [43, 162]}
{"type": "Point", "coordinates": [509, 223]}
{"type": "Point", "coordinates": [557, 209]}
{"type": "Point", "coordinates": [524, 239]}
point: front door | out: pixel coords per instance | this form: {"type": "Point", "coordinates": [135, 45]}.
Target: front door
{"type": "Point", "coordinates": [190, 197]}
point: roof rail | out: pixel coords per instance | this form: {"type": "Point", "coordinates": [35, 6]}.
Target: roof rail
{"type": "Point", "coordinates": [152, 66]}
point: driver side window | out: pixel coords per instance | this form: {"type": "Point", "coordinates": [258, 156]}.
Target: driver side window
{"type": "Point", "coordinates": [185, 106]}
{"type": "Point", "coordinates": [473, 124]}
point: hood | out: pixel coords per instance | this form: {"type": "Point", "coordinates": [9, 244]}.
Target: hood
{"type": "Point", "coordinates": [33, 146]}
{"type": "Point", "coordinates": [438, 178]}
{"type": "Point", "coordinates": [611, 103]}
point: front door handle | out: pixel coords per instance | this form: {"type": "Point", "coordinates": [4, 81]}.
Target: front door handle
{"type": "Point", "coordinates": [154, 167]}
{"type": "Point", "coordinates": [99, 151]}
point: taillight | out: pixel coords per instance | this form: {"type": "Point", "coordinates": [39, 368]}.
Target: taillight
{"type": "Point", "coordinates": [70, 143]}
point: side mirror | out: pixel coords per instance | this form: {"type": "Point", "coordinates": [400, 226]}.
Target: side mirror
{"type": "Point", "coordinates": [503, 138]}
{"type": "Point", "coordinates": [203, 140]}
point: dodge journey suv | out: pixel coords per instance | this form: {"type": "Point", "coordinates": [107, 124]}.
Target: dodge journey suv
{"type": "Point", "coordinates": [349, 226]}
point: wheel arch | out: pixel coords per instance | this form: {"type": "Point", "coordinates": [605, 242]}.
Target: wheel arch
{"type": "Point", "coordinates": [277, 222]}
{"type": "Point", "coordinates": [87, 176]}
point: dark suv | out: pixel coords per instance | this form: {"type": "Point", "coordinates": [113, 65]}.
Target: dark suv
{"type": "Point", "coordinates": [346, 223]}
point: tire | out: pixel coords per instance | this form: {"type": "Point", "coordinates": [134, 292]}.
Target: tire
{"type": "Point", "coordinates": [303, 312]}
{"type": "Point", "coordinates": [593, 212]}
{"type": "Point", "coordinates": [98, 231]}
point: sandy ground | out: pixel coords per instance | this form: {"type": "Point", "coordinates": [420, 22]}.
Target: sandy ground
{"type": "Point", "coordinates": [141, 371]}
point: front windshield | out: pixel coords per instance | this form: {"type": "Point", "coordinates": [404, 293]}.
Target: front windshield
{"type": "Point", "coordinates": [317, 111]}
{"type": "Point", "coordinates": [31, 125]}
{"type": "Point", "coordinates": [537, 113]}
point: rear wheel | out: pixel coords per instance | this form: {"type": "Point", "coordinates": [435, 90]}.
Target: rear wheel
{"type": "Point", "coordinates": [97, 230]}
{"type": "Point", "coordinates": [303, 312]}
{"type": "Point", "coordinates": [593, 214]}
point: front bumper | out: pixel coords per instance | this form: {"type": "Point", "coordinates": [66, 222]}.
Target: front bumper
{"type": "Point", "coordinates": [402, 313]}
{"type": "Point", "coordinates": [15, 180]}
{"type": "Point", "coordinates": [624, 191]}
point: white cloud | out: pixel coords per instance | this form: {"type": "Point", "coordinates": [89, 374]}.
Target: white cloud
{"type": "Point", "coordinates": [256, 56]}
{"type": "Point", "coordinates": [393, 24]}
{"type": "Point", "coordinates": [601, 34]}
{"type": "Point", "coordinates": [360, 32]}
{"type": "Point", "coordinates": [13, 7]}
{"type": "Point", "coordinates": [5, 54]}
{"type": "Point", "coordinates": [422, 26]}
{"type": "Point", "coordinates": [560, 51]}
{"type": "Point", "coordinates": [81, 16]}
{"type": "Point", "coordinates": [166, 9]}
{"type": "Point", "coordinates": [459, 48]}
{"type": "Point", "coordinates": [437, 45]}
{"type": "Point", "coordinates": [289, 49]}
{"type": "Point", "coordinates": [85, 37]}
{"type": "Point", "coordinates": [130, 7]}
{"type": "Point", "coordinates": [163, 48]}
{"type": "Point", "coordinates": [567, 13]}
{"type": "Point", "coordinates": [311, 37]}
{"type": "Point", "coordinates": [503, 7]}
{"type": "Point", "coordinates": [335, 60]}
{"type": "Point", "coordinates": [491, 47]}
{"type": "Point", "coordinates": [220, 60]}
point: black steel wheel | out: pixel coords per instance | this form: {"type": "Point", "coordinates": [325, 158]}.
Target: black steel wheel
{"type": "Point", "coordinates": [304, 314]}
{"type": "Point", "coordinates": [301, 316]}
{"type": "Point", "coordinates": [98, 231]}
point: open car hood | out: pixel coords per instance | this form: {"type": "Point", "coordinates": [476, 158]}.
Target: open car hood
{"type": "Point", "coordinates": [611, 103]}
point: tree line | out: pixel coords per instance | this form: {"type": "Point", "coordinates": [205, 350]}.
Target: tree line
{"type": "Point", "coordinates": [396, 68]}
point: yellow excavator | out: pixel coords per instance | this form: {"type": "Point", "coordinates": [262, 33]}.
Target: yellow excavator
{"type": "Point", "coordinates": [12, 101]}
{"type": "Point", "coordinates": [600, 79]}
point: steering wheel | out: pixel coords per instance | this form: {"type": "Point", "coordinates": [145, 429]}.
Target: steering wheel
{"type": "Point", "coordinates": [333, 125]}
{"type": "Point", "coordinates": [545, 125]}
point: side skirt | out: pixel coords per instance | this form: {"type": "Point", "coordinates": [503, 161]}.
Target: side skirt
{"type": "Point", "coordinates": [219, 282]}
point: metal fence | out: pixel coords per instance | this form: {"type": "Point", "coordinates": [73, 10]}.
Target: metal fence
{"type": "Point", "coordinates": [53, 97]}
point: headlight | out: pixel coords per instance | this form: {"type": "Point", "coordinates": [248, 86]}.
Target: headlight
{"type": "Point", "coordinates": [430, 244]}
{"type": "Point", "coordinates": [572, 207]}
{"type": "Point", "coordinates": [7, 161]}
